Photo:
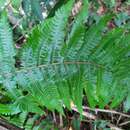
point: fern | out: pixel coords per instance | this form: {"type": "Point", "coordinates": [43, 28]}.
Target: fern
{"type": "Point", "coordinates": [83, 50]}
{"type": "Point", "coordinates": [23, 104]}
{"type": "Point", "coordinates": [7, 53]}
{"type": "Point", "coordinates": [60, 61]}
{"type": "Point", "coordinates": [52, 42]}
{"type": "Point", "coordinates": [72, 78]}
{"type": "Point", "coordinates": [8, 109]}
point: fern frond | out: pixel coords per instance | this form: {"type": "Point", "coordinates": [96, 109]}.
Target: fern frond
{"type": "Point", "coordinates": [58, 82]}
{"type": "Point", "coordinates": [93, 37]}
{"type": "Point", "coordinates": [47, 43]}
{"type": "Point", "coordinates": [76, 36]}
{"type": "Point", "coordinates": [7, 53]}
{"type": "Point", "coordinates": [58, 65]}
{"type": "Point", "coordinates": [23, 104]}
{"type": "Point", "coordinates": [8, 109]}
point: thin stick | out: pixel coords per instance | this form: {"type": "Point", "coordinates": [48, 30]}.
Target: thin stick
{"type": "Point", "coordinates": [54, 117]}
{"type": "Point", "coordinates": [107, 111]}
{"type": "Point", "coordinates": [112, 127]}
{"type": "Point", "coordinates": [112, 117]}
{"type": "Point", "coordinates": [124, 123]}
{"type": "Point", "coordinates": [86, 114]}
{"type": "Point", "coordinates": [93, 117]}
{"type": "Point", "coordinates": [61, 121]}
{"type": "Point", "coordinates": [119, 120]}
{"type": "Point", "coordinates": [17, 23]}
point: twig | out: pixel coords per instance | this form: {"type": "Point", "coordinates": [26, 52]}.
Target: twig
{"type": "Point", "coordinates": [86, 114]}
{"type": "Point", "coordinates": [61, 121]}
{"type": "Point", "coordinates": [119, 120]}
{"type": "Point", "coordinates": [54, 117]}
{"type": "Point", "coordinates": [124, 123]}
{"type": "Point", "coordinates": [107, 111]}
{"type": "Point", "coordinates": [20, 38]}
{"type": "Point", "coordinates": [93, 117]}
{"type": "Point", "coordinates": [112, 117]}
{"type": "Point", "coordinates": [17, 23]}
{"type": "Point", "coordinates": [114, 127]}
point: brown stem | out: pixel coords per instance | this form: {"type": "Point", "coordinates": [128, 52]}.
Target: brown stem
{"type": "Point", "coordinates": [61, 121]}
{"type": "Point", "coordinates": [86, 114]}
{"type": "Point", "coordinates": [4, 123]}
{"type": "Point", "coordinates": [54, 117]}
{"type": "Point", "coordinates": [106, 111]}
{"type": "Point", "coordinates": [124, 123]}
